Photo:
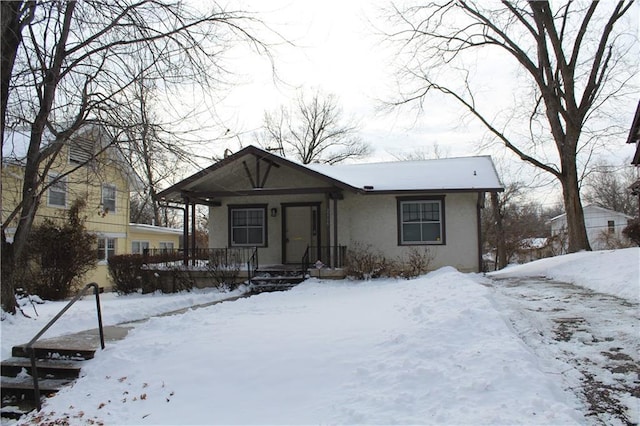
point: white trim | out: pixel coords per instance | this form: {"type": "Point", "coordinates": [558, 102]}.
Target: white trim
{"type": "Point", "coordinates": [141, 227]}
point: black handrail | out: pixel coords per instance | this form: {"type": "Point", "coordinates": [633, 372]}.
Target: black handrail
{"type": "Point", "coordinates": [252, 260]}
{"type": "Point", "coordinates": [29, 346]}
{"type": "Point", "coordinates": [305, 261]}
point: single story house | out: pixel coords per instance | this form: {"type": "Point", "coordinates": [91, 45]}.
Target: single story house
{"type": "Point", "coordinates": [286, 209]}
{"type": "Point", "coordinates": [602, 225]}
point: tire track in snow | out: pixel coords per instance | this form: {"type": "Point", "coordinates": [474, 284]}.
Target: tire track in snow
{"type": "Point", "coordinates": [595, 335]}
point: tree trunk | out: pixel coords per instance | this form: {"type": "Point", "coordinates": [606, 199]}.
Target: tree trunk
{"type": "Point", "coordinates": [501, 252]}
{"type": "Point", "coordinates": [576, 229]}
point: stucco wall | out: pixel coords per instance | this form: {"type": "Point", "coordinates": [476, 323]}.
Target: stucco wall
{"type": "Point", "coordinates": [366, 219]}
{"type": "Point", "coordinates": [272, 254]}
{"type": "Point", "coordinates": [372, 220]}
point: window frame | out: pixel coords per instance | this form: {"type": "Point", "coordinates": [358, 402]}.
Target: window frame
{"type": "Point", "coordinates": [440, 200]}
{"type": "Point", "coordinates": [165, 243]}
{"type": "Point", "coordinates": [103, 191]}
{"type": "Point", "coordinates": [52, 188]}
{"type": "Point", "coordinates": [245, 207]}
{"type": "Point", "coordinates": [611, 226]}
{"type": "Point", "coordinates": [140, 244]}
{"type": "Point", "coordinates": [105, 240]}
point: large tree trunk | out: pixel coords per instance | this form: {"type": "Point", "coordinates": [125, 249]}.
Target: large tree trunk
{"type": "Point", "coordinates": [576, 229]}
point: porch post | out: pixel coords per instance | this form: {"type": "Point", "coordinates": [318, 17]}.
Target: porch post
{"type": "Point", "coordinates": [334, 260]}
{"type": "Point", "coordinates": [328, 201]}
{"type": "Point", "coordinates": [185, 233]}
{"type": "Point", "coordinates": [193, 233]}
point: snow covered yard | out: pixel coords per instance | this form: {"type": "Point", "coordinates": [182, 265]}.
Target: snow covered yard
{"type": "Point", "coordinates": [440, 349]}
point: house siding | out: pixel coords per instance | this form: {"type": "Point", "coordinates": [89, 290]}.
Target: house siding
{"type": "Point", "coordinates": [357, 225]}
{"type": "Point", "coordinates": [596, 221]}
{"type": "Point", "coordinates": [272, 253]}
{"type": "Point", "coordinates": [87, 182]}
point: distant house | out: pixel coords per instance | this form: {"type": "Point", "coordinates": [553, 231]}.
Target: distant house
{"type": "Point", "coordinates": [602, 225]}
{"type": "Point", "coordinates": [287, 209]}
{"type": "Point", "coordinates": [102, 177]}
{"type": "Point", "coordinates": [533, 249]}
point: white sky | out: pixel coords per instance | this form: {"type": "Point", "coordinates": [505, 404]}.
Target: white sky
{"type": "Point", "coordinates": [337, 50]}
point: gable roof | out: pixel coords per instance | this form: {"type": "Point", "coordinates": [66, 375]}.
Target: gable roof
{"type": "Point", "coordinates": [16, 145]}
{"type": "Point", "coordinates": [476, 174]}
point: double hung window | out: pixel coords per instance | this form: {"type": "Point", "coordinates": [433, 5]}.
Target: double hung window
{"type": "Point", "coordinates": [57, 191]}
{"type": "Point", "coordinates": [106, 248]}
{"type": "Point", "coordinates": [247, 226]}
{"type": "Point", "coordinates": [421, 221]}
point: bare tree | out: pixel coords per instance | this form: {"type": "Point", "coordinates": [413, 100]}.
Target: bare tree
{"type": "Point", "coordinates": [571, 54]}
{"type": "Point", "coordinates": [313, 131]}
{"type": "Point", "coordinates": [66, 65]}
{"type": "Point", "coordinates": [509, 221]}
{"type": "Point", "coordinates": [607, 186]}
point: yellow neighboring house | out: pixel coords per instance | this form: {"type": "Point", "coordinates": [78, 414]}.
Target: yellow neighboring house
{"type": "Point", "coordinates": [97, 173]}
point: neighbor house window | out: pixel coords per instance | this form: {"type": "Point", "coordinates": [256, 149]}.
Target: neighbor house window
{"type": "Point", "coordinates": [138, 247]}
{"type": "Point", "coordinates": [166, 245]}
{"type": "Point", "coordinates": [57, 191]}
{"type": "Point", "coordinates": [421, 221]}
{"type": "Point", "coordinates": [106, 248]}
{"type": "Point", "coordinates": [109, 198]}
{"type": "Point", "coordinates": [612, 226]}
{"type": "Point", "coordinates": [247, 226]}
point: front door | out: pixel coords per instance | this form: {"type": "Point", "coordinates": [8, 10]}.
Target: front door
{"type": "Point", "coordinates": [300, 231]}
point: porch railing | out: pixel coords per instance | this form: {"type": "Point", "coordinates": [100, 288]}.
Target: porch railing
{"type": "Point", "coordinates": [205, 257]}
{"type": "Point", "coordinates": [331, 256]}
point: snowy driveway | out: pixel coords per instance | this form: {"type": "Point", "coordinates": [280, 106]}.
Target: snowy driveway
{"type": "Point", "coordinates": [594, 335]}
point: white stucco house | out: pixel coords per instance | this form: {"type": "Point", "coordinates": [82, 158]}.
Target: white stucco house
{"type": "Point", "coordinates": [602, 224]}
{"type": "Point", "coordinates": [287, 209]}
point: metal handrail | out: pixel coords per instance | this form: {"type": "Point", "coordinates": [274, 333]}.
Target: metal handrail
{"type": "Point", "coordinates": [252, 260]}
{"type": "Point", "coordinates": [305, 261]}
{"type": "Point", "coordinates": [29, 346]}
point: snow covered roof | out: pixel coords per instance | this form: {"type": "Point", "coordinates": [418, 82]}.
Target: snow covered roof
{"type": "Point", "coordinates": [461, 173]}
{"type": "Point", "coordinates": [142, 227]}
{"type": "Point", "coordinates": [471, 174]}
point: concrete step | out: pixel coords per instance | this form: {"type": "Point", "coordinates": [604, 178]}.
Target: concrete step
{"type": "Point", "coordinates": [50, 368]}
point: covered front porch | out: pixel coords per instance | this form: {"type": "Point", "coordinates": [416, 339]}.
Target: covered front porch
{"type": "Point", "coordinates": [286, 213]}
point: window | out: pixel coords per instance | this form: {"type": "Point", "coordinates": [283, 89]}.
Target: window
{"type": "Point", "coordinates": [138, 247]}
{"type": "Point", "coordinates": [421, 221]}
{"type": "Point", "coordinates": [247, 226]}
{"type": "Point", "coordinates": [109, 198]}
{"type": "Point", "coordinates": [612, 226]}
{"type": "Point", "coordinates": [166, 245]}
{"type": "Point", "coordinates": [57, 191]}
{"type": "Point", "coordinates": [106, 248]}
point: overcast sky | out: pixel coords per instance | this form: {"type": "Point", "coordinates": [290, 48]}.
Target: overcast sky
{"type": "Point", "coordinates": [337, 50]}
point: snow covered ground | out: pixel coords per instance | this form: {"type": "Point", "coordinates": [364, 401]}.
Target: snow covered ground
{"type": "Point", "coordinates": [615, 272]}
{"type": "Point", "coordinates": [439, 349]}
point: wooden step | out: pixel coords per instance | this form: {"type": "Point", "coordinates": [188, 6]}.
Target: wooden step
{"type": "Point", "coordinates": [52, 368]}
{"type": "Point", "coordinates": [21, 388]}
{"type": "Point", "coordinates": [54, 351]}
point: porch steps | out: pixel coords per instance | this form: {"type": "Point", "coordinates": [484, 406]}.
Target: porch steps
{"type": "Point", "coordinates": [277, 278]}
{"type": "Point", "coordinates": [57, 367]}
